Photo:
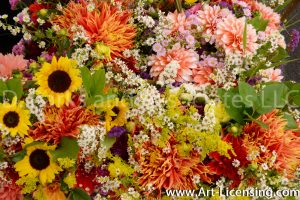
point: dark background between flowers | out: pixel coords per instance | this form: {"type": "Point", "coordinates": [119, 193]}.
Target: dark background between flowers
{"type": "Point", "coordinates": [291, 71]}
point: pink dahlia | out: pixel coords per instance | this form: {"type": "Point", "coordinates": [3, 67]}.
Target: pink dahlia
{"type": "Point", "coordinates": [10, 191]}
{"type": "Point", "coordinates": [201, 75]}
{"type": "Point", "coordinates": [10, 62]}
{"type": "Point", "coordinates": [229, 35]}
{"type": "Point", "coordinates": [272, 75]}
{"type": "Point", "coordinates": [179, 22]}
{"type": "Point", "coordinates": [187, 60]}
{"type": "Point", "coordinates": [267, 13]}
{"type": "Point", "coordinates": [209, 17]}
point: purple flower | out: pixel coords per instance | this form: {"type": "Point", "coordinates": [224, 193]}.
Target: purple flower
{"type": "Point", "coordinates": [294, 42]}
{"type": "Point", "coordinates": [120, 147]}
{"type": "Point", "coordinates": [200, 108]}
{"type": "Point", "coordinates": [177, 84]}
{"type": "Point", "coordinates": [27, 75]}
{"type": "Point", "coordinates": [224, 4]}
{"type": "Point", "coordinates": [116, 131]}
{"type": "Point", "coordinates": [102, 172]}
{"type": "Point", "coordinates": [47, 56]}
{"type": "Point", "coordinates": [13, 4]}
{"type": "Point", "coordinates": [145, 75]}
{"type": "Point", "coordinates": [19, 49]}
{"type": "Point", "coordinates": [161, 90]}
{"type": "Point", "coordinates": [253, 80]}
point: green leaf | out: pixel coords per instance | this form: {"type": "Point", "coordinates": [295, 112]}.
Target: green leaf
{"type": "Point", "coordinates": [234, 105]}
{"type": "Point", "coordinates": [178, 5]}
{"type": "Point", "coordinates": [98, 82]}
{"type": "Point", "coordinates": [19, 156]}
{"type": "Point", "coordinates": [86, 79]}
{"type": "Point", "coordinates": [2, 154]}
{"type": "Point", "coordinates": [108, 142]}
{"type": "Point", "coordinates": [248, 94]}
{"type": "Point", "coordinates": [291, 123]}
{"type": "Point", "coordinates": [15, 85]}
{"type": "Point", "coordinates": [294, 94]}
{"type": "Point", "coordinates": [272, 96]}
{"type": "Point", "coordinates": [68, 148]}
{"type": "Point", "coordinates": [221, 93]}
{"type": "Point", "coordinates": [245, 36]}
{"type": "Point", "coordinates": [263, 125]}
{"type": "Point", "coordinates": [79, 194]}
{"type": "Point", "coordinates": [3, 87]}
{"type": "Point", "coordinates": [279, 55]}
{"type": "Point", "coordinates": [259, 23]}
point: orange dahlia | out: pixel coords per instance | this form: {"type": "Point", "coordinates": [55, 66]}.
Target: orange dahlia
{"type": "Point", "coordinates": [285, 143]}
{"type": "Point", "coordinates": [61, 122]}
{"type": "Point", "coordinates": [169, 170]}
{"type": "Point", "coordinates": [104, 24]}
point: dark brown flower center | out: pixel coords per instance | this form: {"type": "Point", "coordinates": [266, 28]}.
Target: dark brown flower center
{"type": "Point", "coordinates": [11, 119]}
{"type": "Point", "coordinates": [59, 81]}
{"type": "Point", "coordinates": [116, 110]}
{"type": "Point", "coordinates": [39, 159]}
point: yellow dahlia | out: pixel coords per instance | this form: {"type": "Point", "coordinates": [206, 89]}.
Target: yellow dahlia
{"type": "Point", "coordinates": [114, 112]}
{"type": "Point", "coordinates": [15, 118]}
{"type": "Point", "coordinates": [106, 24]}
{"type": "Point", "coordinates": [58, 79]}
{"type": "Point", "coordinates": [38, 162]}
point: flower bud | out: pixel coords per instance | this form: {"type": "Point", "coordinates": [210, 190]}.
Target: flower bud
{"type": "Point", "coordinates": [186, 97]}
{"type": "Point", "coordinates": [103, 51]}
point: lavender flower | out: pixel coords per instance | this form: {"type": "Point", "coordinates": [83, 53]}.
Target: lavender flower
{"type": "Point", "coordinates": [294, 42]}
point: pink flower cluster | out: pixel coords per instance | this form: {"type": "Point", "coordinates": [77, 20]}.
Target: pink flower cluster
{"type": "Point", "coordinates": [11, 62]}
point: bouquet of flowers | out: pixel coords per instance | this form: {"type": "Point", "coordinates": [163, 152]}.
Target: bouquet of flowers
{"type": "Point", "coordinates": [132, 99]}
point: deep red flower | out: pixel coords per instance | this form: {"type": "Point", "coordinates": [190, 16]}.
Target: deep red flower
{"type": "Point", "coordinates": [222, 165]}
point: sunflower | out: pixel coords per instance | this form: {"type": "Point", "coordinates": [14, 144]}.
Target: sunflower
{"type": "Point", "coordinates": [114, 112]}
{"type": "Point", "coordinates": [15, 118]}
{"type": "Point", "coordinates": [58, 79]}
{"type": "Point", "coordinates": [38, 163]}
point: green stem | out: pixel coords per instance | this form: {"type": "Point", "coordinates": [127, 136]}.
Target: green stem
{"type": "Point", "coordinates": [289, 25]}
{"type": "Point", "coordinates": [178, 5]}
